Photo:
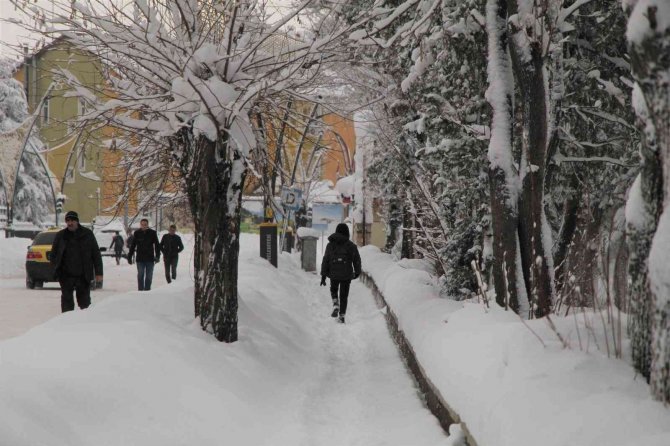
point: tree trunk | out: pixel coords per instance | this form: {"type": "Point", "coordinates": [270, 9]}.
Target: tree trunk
{"type": "Point", "coordinates": [568, 226]}
{"type": "Point", "coordinates": [510, 290]}
{"type": "Point", "coordinates": [406, 251]}
{"type": "Point", "coordinates": [650, 333]}
{"type": "Point", "coordinates": [649, 327]}
{"type": "Point", "coordinates": [529, 69]}
{"type": "Point", "coordinates": [214, 187]}
{"type": "Point", "coordinates": [620, 279]}
{"type": "Point", "coordinates": [582, 258]}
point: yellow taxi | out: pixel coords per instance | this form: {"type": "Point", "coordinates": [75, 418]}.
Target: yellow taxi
{"type": "Point", "coordinates": [38, 266]}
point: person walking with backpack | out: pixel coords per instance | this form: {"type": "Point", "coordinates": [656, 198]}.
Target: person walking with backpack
{"type": "Point", "coordinates": [117, 244]}
{"type": "Point", "coordinates": [76, 259]}
{"type": "Point", "coordinates": [171, 246]}
{"type": "Point", "coordinates": [341, 264]}
{"type": "Point", "coordinates": [145, 243]}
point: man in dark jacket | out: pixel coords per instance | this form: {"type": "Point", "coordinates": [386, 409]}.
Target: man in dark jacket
{"type": "Point", "coordinates": [171, 246]}
{"type": "Point", "coordinates": [147, 252]}
{"type": "Point", "coordinates": [117, 244]}
{"type": "Point", "coordinates": [341, 263]}
{"type": "Point", "coordinates": [76, 259]}
{"type": "Point", "coordinates": [129, 241]}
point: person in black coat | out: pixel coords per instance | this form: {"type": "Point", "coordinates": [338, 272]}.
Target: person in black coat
{"type": "Point", "coordinates": [76, 259]}
{"type": "Point", "coordinates": [117, 244]}
{"type": "Point", "coordinates": [129, 241]}
{"type": "Point", "coordinates": [171, 246]}
{"type": "Point", "coordinates": [341, 263]}
{"type": "Point", "coordinates": [147, 252]}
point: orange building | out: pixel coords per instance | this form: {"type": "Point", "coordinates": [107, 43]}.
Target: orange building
{"type": "Point", "coordinates": [313, 147]}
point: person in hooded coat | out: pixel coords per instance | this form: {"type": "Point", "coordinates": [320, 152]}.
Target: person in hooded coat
{"type": "Point", "coordinates": [341, 264]}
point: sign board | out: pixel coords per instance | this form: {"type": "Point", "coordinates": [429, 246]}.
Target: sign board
{"type": "Point", "coordinates": [326, 215]}
{"type": "Point", "coordinates": [291, 198]}
{"type": "Point", "coordinates": [268, 243]}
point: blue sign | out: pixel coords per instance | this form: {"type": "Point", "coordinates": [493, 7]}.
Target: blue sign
{"type": "Point", "coordinates": [291, 198]}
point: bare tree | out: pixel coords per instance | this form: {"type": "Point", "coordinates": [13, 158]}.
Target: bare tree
{"type": "Point", "coordinates": [183, 79]}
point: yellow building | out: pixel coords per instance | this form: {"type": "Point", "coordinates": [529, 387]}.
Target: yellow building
{"type": "Point", "coordinates": [83, 158]}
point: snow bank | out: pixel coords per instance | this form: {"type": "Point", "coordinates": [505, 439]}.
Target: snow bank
{"type": "Point", "coordinates": [13, 256]}
{"type": "Point", "coordinates": [345, 186]}
{"type": "Point", "coordinates": [323, 192]}
{"type": "Point", "coordinates": [136, 369]}
{"type": "Point", "coordinates": [308, 232]}
{"type": "Point", "coordinates": [509, 387]}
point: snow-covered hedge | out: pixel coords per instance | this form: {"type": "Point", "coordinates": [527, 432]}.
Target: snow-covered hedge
{"type": "Point", "coordinates": [514, 383]}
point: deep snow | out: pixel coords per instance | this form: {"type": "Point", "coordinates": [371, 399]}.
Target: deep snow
{"type": "Point", "coordinates": [509, 387]}
{"type": "Point", "coordinates": [136, 369]}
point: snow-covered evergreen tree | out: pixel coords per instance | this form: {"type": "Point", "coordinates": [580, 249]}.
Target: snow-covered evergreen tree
{"type": "Point", "coordinates": [32, 200]}
{"type": "Point", "coordinates": [594, 163]}
{"type": "Point", "coordinates": [648, 212]}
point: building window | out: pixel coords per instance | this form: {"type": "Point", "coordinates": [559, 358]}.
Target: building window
{"type": "Point", "coordinates": [69, 175]}
{"type": "Point", "coordinates": [45, 111]}
{"type": "Point", "coordinates": [82, 161]}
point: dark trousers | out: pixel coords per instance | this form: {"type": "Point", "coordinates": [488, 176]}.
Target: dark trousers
{"type": "Point", "coordinates": [117, 256]}
{"type": "Point", "coordinates": [145, 273]}
{"type": "Point", "coordinates": [343, 286]}
{"type": "Point", "coordinates": [170, 267]}
{"type": "Point", "coordinates": [68, 286]}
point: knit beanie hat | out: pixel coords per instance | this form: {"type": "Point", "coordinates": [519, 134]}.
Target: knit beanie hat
{"type": "Point", "coordinates": [72, 215]}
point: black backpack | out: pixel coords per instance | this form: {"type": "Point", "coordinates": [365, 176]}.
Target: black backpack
{"type": "Point", "coordinates": [340, 262]}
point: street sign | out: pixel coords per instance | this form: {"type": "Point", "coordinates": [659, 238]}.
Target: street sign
{"type": "Point", "coordinates": [291, 198]}
{"type": "Point", "coordinates": [268, 243]}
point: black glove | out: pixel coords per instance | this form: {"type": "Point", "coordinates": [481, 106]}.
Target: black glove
{"type": "Point", "coordinates": [323, 280]}
{"type": "Point", "coordinates": [158, 259]}
{"type": "Point", "coordinates": [356, 276]}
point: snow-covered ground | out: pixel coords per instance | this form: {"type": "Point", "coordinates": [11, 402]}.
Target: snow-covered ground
{"type": "Point", "coordinates": [22, 309]}
{"type": "Point", "coordinates": [514, 383]}
{"type": "Point", "coordinates": [136, 369]}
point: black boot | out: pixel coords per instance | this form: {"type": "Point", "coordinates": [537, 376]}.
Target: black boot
{"type": "Point", "coordinates": [336, 308]}
{"type": "Point", "coordinates": [341, 319]}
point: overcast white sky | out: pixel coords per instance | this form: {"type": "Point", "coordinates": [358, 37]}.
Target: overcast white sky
{"type": "Point", "coordinates": [9, 33]}
{"type": "Point", "coordinates": [13, 35]}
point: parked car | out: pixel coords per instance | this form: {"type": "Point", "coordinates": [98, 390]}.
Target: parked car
{"type": "Point", "coordinates": [38, 266]}
{"type": "Point", "coordinates": [38, 261]}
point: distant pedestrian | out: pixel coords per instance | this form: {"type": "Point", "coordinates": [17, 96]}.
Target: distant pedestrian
{"type": "Point", "coordinates": [117, 244]}
{"type": "Point", "coordinates": [342, 264]}
{"type": "Point", "coordinates": [171, 246]}
{"type": "Point", "coordinates": [129, 242]}
{"type": "Point", "coordinates": [76, 259]}
{"type": "Point", "coordinates": [145, 243]}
